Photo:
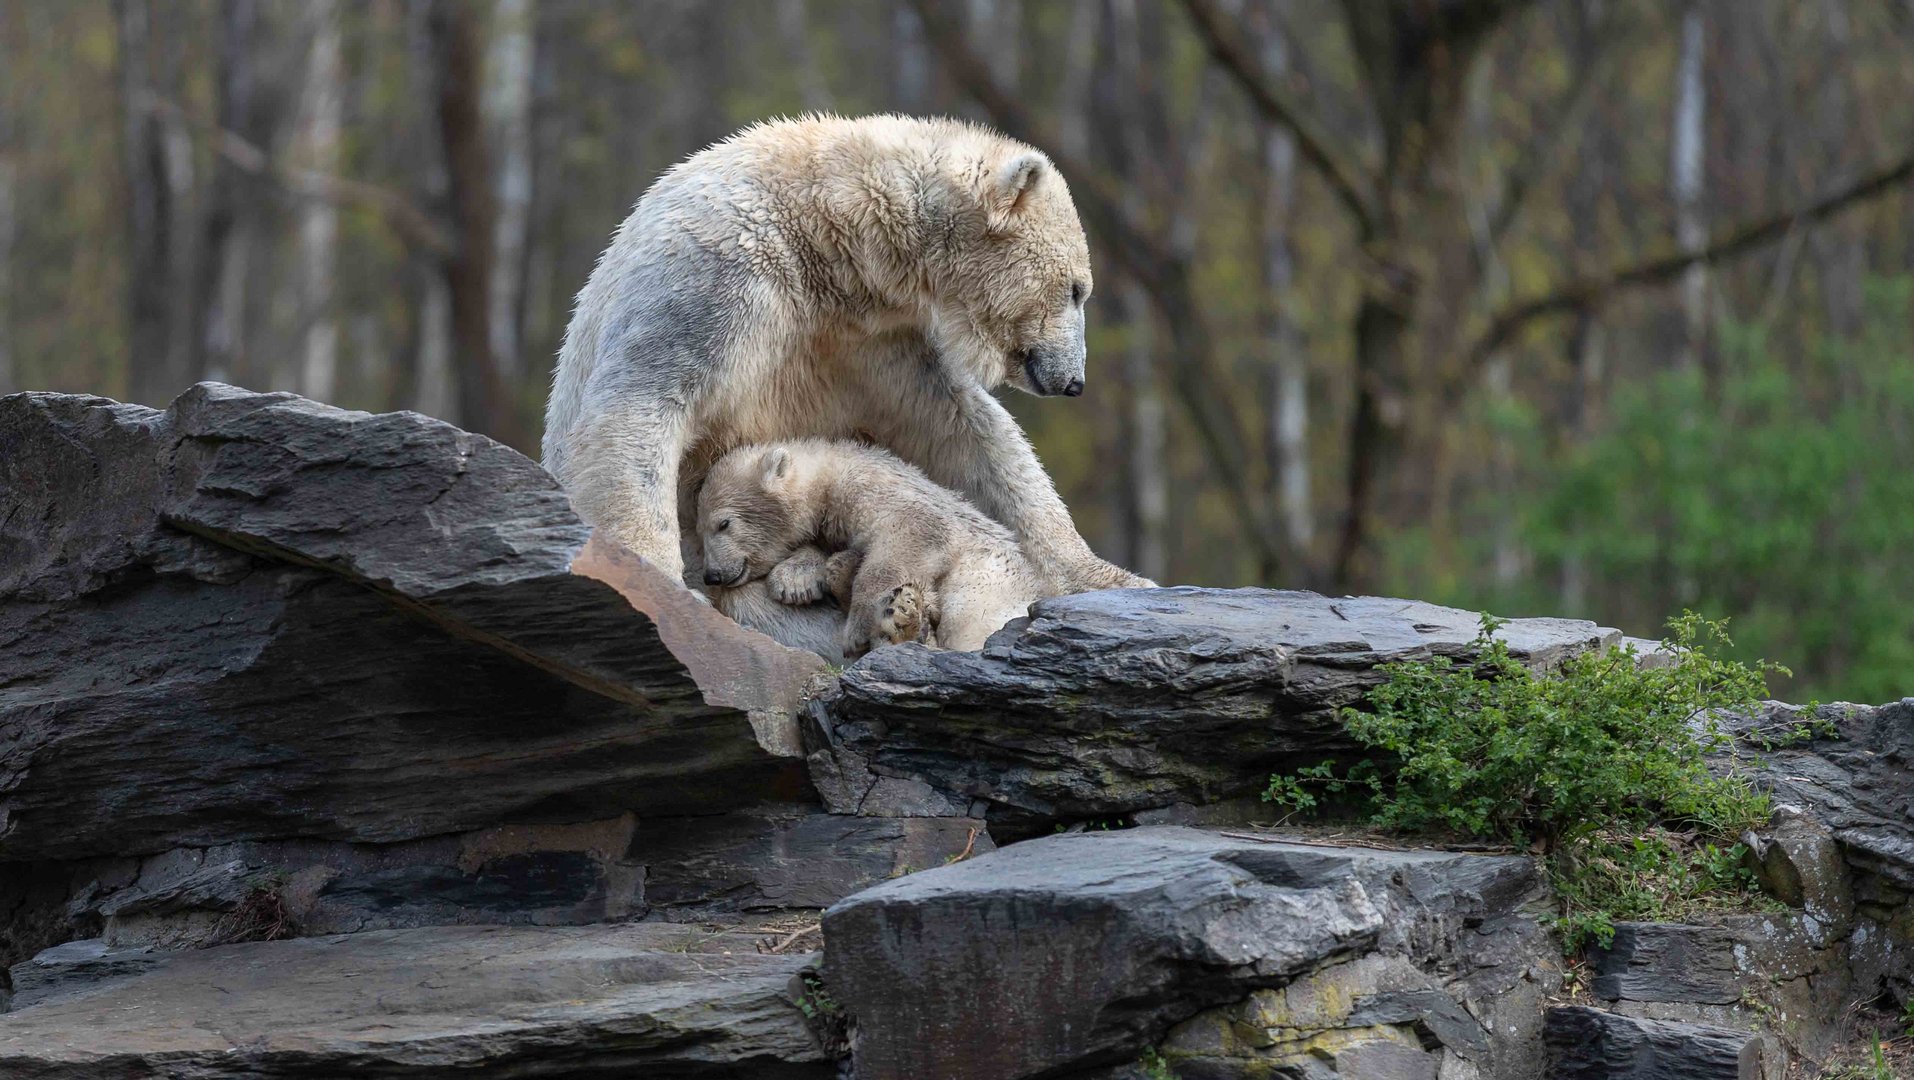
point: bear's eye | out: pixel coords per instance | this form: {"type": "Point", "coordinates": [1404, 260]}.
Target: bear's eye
{"type": "Point", "coordinates": [723, 525]}
{"type": "Point", "coordinates": [1078, 294]}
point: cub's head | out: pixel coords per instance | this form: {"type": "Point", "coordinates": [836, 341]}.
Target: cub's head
{"type": "Point", "coordinates": [747, 515]}
{"type": "Point", "coordinates": [1016, 275]}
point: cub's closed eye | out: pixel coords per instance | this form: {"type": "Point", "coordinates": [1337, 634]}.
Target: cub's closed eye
{"type": "Point", "coordinates": [723, 525]}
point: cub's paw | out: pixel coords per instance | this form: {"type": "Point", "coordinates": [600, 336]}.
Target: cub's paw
{"type": "Point", "coordinates": [905, 616]}
{"type": "Point", "coordinates": [796, 582]}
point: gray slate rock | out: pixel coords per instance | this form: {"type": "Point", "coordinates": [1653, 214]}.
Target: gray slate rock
{"type": "Point", "coordinates": [1858, 780]}
{"type": "Point", "coordinates": [1114, 702]}
{"type": "Point", "coordinates": [1075, 951]}
{"type": "Point", "coordinates": [1589, 1044]}
{"type": "Point", "coordinates": [478, 1002]}
{"type": "Point", "coordinates": [77, 965]}
{"type": "Point", "coordinates": [774, 857]}
{"type": "Point", "coordinates": [1669, 962]}
{"type": "Point", "coordinates": [257, 617]}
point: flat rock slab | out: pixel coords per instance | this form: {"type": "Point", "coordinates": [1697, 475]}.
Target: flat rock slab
{"type": "Point", "coordinates": [1074, 951]}
{"type": "Point", "coordinates": [257, 617]}
{"type": "Point", "coordinates": [476, 1002]}
{"type": "Point", "coordinates": [1589, 1044]}
{"type": "Point", "coordinates": [1114, 702]}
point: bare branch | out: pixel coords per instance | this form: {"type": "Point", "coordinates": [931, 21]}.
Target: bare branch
{"type": "Point", "coordinates": [410, 223]}
{"type": "Point", "coordinates": [1543, 150]}
{"type": "Point", "coordinates": [1350, 182]}
{"type": "Point", "coordinates": [1596, 290]}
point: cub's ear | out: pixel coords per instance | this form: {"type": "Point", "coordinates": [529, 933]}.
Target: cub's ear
{"type": "Point", "coordinates": [776, 464]}
{"type": "Point", "coordinates": [1012, 184]}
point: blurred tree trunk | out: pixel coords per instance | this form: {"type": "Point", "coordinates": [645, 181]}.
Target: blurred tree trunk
{"type": "Point", "coordinates": [1284, 366]}
{"type": "Point", "coordinates": [1146, 505]}
{"type": "Point", "coordinates": [157, 157]}
{"type": "Point", "coordinates": [997, 25]}
{"type": "Point", "coordinates": [9, 182]}
{"type": "Point", "coordinates": [709, 79]}
{"type": "Point", "coordinates": [1416, 61]}
{"type": "Point", "coordinates": [794, 26]}
{"type": "Point", "coordinates": [316, 147]}
{"type": "Point", "coordinates": [1581, 416]}
{"type": "Point", "coordinates": [541, 311]}
{"type": "Point", "coordinates": [1132, 132]}
{"type": "Point", "coordinates": [1073, 88]}
{"type": "Point", "coordinates": [1840, 252]}
{"type": "Point", "coordinates": [1687, 146]}
{"type": "Point", "coordinates": [509, 70]}
{"type": "Point", "coordinates": [232, 203]}
{"type": "Point", "coordinates": [910, 62]}
{"type": "Point", "coordinates": [484, 405]}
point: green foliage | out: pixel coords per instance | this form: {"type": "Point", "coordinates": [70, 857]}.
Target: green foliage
{"type": "Point", "coordinates": [816, 1002]}
{"type": "Point", "coordinates": [1489, 750]}
{"type": "Point", "coordinates": [1597, 765]}
{"type": "Point", "coordinates": [1155, 1065]}
{"type": "Point", "coordinates": [1654, 876]}
{"type": "Point", "coordinates": [1780, 490]}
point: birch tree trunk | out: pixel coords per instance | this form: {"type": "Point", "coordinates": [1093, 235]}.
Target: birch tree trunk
{"type": "Point", "coordinates": [1685, 181]}
{"type": "Point", "coordinates": [508, 111]}
{"type": "Point", "coordinates": [316, 147]}
{"type": "Point", "coordinates": [1286, 369]}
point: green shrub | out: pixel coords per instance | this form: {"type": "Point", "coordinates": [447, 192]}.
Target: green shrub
{"type": "Point", "coordinates": [1602, 767]}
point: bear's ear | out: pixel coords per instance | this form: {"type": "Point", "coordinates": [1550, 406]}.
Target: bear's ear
{"type": "Point", "coordinates": [776, 464]}
{"type": "Point", "coordinates": [1014, 181]}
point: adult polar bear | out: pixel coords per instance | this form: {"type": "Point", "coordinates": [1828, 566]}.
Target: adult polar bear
{"type": "Point", "coordinates": [874, 277]}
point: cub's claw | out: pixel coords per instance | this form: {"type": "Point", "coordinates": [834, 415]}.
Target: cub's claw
{"type": "Point", "coordinates": [905, 615]}
{"type": "Point", "coordinates": [795, 584]}
{"type": "Point", "coordinates": [901, 616]}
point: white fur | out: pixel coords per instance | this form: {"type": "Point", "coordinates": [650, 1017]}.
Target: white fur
{"type": "Point", "coordinates": [872, 278]}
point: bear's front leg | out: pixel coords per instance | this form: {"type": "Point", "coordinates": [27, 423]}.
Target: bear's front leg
{"type": "Point", "coordinates": [624, 477]}
{"type": "Point", "coordinates": [802, 578]}
{"type": "Point", "coordinates": [978, 449]}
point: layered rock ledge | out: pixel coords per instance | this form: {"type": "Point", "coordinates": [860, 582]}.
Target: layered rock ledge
{"type": "Point", "coordinates": [334, 744]}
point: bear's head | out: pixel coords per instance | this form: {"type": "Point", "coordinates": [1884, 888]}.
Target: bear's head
{"type": "Point", "coordinates": [1015, 276]}
{"type": "Point", "coordinates": [748, 515]}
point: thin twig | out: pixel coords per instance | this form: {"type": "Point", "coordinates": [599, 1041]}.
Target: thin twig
{"type": "Point", "coordinates": [1348, 180]}
{"type": "Point", "coordinates": [1597, 289]}
{"type": "Point", "coordinates": [412, 224]}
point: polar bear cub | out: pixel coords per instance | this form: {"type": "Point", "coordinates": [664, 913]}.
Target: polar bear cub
{"type": "Point", "coordinates": [913, 560]}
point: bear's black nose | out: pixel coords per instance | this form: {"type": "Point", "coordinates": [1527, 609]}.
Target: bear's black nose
{"type": "Point", "coordinates": [1074, 389]}
{"type": "Point", "coordinates": [712, 577]}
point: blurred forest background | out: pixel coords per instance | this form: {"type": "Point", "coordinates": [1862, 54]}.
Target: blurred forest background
{"type": "Point", "coordinates": [1584, 307]}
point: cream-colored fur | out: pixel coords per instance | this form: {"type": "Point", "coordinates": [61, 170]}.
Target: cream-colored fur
{"type": "Point", "coordinates": [921, 562]}
{"type": "Point", "coordinates": [874, 277]}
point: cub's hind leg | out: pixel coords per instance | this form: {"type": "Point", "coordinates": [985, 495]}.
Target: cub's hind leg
{"type": "Point", "coordinates": [909, 614]}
